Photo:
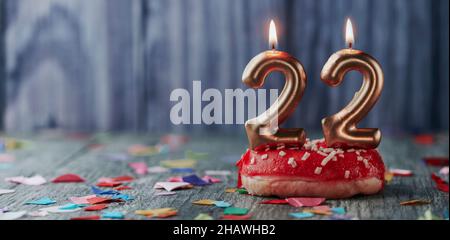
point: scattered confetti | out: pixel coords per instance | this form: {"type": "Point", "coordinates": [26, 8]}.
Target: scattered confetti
{"type": "Point", "coordinates": [195, 180]}
{"type": "Point", "coordinates": [33, 181]}
{"type": "Point", "coordinates": [38, 214]}
{"type": "Point", "coordinates": [318, 212]}
{"type": "Point", "coordinates": [99, 191]}
{"type": "Point", "coordinates": [210, 179]}
{"type": "Point", "coordinates": [97, 200]}
{"type": "Point", "coordinates": [72, 206]}
{"type": "Point", "coordinates": [157, 212]}
{"type": "Point", "coordinates": [415, 202]}
{"type": "Point", "coordinates": [91, 217]}
{"type": "Point", "coordinates": [6, 191]}
{"type": "Point", "coordinates": [301, 215]}
{"type": "Point", "coordinates": [444, 171]}
{"type": "Point", "coordinates": [122, 179]}
{"type": "Point", "coordinates": [175, 179]}
{"type": "Point", "coordinates": [217, 172]}
{"type": "Point", "coordinates": [388, 176]}
{"type": "Point", "coordinates": [342, 217]}
{"type": "Point", "coordinates": [123, 197]}
{"type": "Point", "coordinates": [305, 202]}
{"type": "Point", "coordinates": [139, 168]}
{"type": "Point", "coordinates": [42, 201]}
{"type": "Point", "coordinates": [204, 202]}
{"type": "Point", "coordinates": [181, 170]}
{"type": "Point", "coordinates": [81, 200]}
{"type": "Point", "coordinates": [121, 188]}
{"type": "Point", "coordinates": [181, 163]}
{"type": "Point", "coordinates": [174, 141]}
{"type": "Point", "coordinates": [203, 216]}
{"type": "Point", "coordinates": [68, 178]}
{"type": "Point", "coordinates": [189, 154]}
{"type": "Point", "coordinates": [139, 150]}
{"type": "Point", "coordinates": [436, 161]}
{"type": "Point", "coordinates": [222, 204]}
{"type": "Point", "coordinates": [170, 186]}
{"type": "Point", "coordinates": [12, 215]}
{"type": "Point", "coordinates": [6, 158]}
{"type": "Point", "coordinates": [235, 211]}
{"type": "Point", "coordinates": [274, 201]}
{"type": "Point", "coordinates": [338, 210]}
{"type": "Point", "coordinates": [5, 166]}
{"type": "Point", "coordinates": [236, 217]}
{"type": "Point", "coordinates": [108, 184]}
{"type": "Point", "coordinates": [230, 190]}
{"type": "Point", "coordinates": [96, 207]}
{"type": "Point", "coordinates": [424, 139]}
{"type": "Point", "coordinates": [157, 169]}
{"type": "Point", "coordinates": [57, 209]}
{"type": "Point", "coordinates": [242, 191]}
{"type": "Point", "coordinates": [428, 215]}
{"type": "Point", "coordinates": [165, 193]}
{"type": "Point", "coordinates": [440, 184]}
{"type": "Point", "coordinates": [401, 172]}
{"type": "Point", "coordinates": [113, 215]}
{"type": "Point", "coordinates": [324, 208]}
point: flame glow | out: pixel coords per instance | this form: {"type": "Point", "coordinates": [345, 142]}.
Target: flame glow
{"type": "Point", "coordinates": [349, 38]}
{"type": "Point", "coordinates": [273, 40]}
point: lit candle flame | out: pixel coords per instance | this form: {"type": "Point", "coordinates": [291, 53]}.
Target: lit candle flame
{"type": "Point", "coordinates": [273, 41]}
{"type": "Point", "coordinates": [349, 38]}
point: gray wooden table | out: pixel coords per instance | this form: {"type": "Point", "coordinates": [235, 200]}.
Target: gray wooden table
{"type": "Point", "coordinates": [51, 155]}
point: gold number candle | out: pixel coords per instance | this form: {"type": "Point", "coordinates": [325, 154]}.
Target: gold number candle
{"type": "Point", "coordinates": [264, 128]}
{"type": "Point", "coordinates": [340, 129]}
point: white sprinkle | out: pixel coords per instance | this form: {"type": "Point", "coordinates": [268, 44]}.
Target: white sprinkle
{"type": "Point", "coordinates": [366, 163]}
{"type": "Point", "coordinates": [318, 170]}
{"type": "Point", "coordinates": [267, 149]}
{"type": "Point", "coordinates": [264, 156]}
{"type": "Point", "coordinates": [347, 174]}
{"type": "Point", "coordinates": [351, 150]}
{"type": "Point", "coordinates": [252, 160]}
{"type": "Point", "coordinates": [358, 153]}
{"type": "Point", "coordinates": [359, 158]}
{"type": "Point", "coordinates": [334, 159]}
{"type": "Point", "coordinates": [328, 158]}
{"type": "Point", "coordinates": [280, 147]}
{"type": "Point", "coordinates": [322, 153]}
{"type": "Point", "coordinates": [305, 156]}
{"type": "Point", "coordinates": [363, 150]}
{"type": "Point", "coordinates": [292, 162]}
{"type": "Point", "coordinates": [293, 148]}
{"type": "Point", "coordinates": [339, 151]}
{"type": "Point", "coordinates": [341, 155]}
{"type": "Point", "coordinates": [307, 146]}
{"type": "Point", "coordinates": [282, 153]}
{"type": "Point", "coordinates": [327, 150]}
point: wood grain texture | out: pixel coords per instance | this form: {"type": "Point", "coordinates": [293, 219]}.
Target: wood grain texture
{"type": "Point", "coordinates": [56, 155]}
{"type": "Point", "coordinates": [111, 65]}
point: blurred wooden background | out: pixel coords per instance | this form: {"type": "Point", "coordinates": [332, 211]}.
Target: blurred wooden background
{"type": "Point", "coordinates": [111, 64]}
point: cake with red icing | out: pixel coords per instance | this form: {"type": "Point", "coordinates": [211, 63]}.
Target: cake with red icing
{"type": "Point", "coordinates": [314, 170]}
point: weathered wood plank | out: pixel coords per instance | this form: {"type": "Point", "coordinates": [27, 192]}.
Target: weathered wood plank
{"type": "Point", "coordinates": [47, 159]}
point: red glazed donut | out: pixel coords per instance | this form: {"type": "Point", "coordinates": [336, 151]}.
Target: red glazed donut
{"type": "Point", "coordinates": [312, 171]}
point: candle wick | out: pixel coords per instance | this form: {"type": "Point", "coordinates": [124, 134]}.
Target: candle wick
{"type": "Point", "coordinates": [350, 45]}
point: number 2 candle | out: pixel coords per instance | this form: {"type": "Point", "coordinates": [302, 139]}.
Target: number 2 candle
{"type": "Point", "coordinates": [340, 129]}
{"type": "Point", "coordinates": [264, 128]}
